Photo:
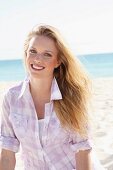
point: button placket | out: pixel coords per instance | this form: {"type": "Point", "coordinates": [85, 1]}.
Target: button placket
{"type": "Point", "coordinates": [37, 133]}
{"type": "Point", "coordinates": [46, 123]}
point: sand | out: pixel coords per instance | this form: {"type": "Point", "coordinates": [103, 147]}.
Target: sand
{"type": "Point", "coordinates": [103, 120]}
{"type": "Point", "coordinates": [102, 125]}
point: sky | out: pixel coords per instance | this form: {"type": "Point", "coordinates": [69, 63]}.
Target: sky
{"type": "Point", "coordinates": [86, 25]}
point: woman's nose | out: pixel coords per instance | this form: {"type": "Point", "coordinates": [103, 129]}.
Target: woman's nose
{"type": "Point", "coordinates": [37, 60]}
{"type": "Point", "coordinates": [38, 57]}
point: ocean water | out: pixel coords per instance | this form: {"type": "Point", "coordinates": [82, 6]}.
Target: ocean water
{"type": "Point", "coordinates": [97, 65]}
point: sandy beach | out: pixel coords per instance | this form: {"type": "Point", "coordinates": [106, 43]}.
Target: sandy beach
{"type": "Point", "coordinates": [102, 125]}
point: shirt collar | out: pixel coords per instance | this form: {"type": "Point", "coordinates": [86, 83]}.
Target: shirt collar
{"type": "Point", "coordinates": [55, 91]}
{"type": "Point", "coordinates": [24, 87]}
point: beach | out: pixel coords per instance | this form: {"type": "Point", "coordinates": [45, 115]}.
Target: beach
{"type": "Point", "coordinates": [102, 120]}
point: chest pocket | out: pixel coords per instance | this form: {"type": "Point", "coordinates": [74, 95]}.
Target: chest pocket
{"type": "Point", "coordinates": [20, 125]}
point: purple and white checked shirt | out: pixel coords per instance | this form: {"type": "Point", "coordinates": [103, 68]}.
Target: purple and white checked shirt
{"type": "Point", "coordinates": [19, 125]}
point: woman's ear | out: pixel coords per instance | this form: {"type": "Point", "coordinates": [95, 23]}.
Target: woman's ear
{"type": "Point", "coordinates": [58, 63]}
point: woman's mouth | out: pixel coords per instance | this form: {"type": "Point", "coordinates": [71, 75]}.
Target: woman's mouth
{"type": "Point", "coordinates": [35, 67]}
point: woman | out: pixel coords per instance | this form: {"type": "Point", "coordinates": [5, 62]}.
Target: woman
{"type": "Point", "coordinates": [47, 112]}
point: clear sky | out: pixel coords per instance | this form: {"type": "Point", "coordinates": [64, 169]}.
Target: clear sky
{"type": "Point", "coordinates": [87, 25]}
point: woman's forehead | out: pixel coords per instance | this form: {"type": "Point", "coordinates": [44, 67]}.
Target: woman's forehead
{"type": "Point", "coordinates": [43, 42]}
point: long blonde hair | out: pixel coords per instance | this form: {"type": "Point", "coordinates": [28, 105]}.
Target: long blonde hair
{"type": "Point", "coordinates": [73, 82]}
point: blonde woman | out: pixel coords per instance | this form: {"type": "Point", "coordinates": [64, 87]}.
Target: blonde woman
{"type": "Point", "coordinates": [47, 113]}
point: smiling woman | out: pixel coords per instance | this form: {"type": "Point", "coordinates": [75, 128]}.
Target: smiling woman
{"type": "Point", "coordinates": [41, 57]}
{"type": "Point", "coordinates": [47, 113]}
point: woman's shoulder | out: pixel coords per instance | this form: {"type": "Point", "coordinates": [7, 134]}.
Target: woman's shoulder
{"type": "Point", "coordinates": [11, 92]}
{"type": "Point", "coordinates": [13, 89]}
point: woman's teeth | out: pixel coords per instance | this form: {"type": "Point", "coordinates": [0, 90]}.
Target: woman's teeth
{"type": "Point", "coordinates": [37, 67]}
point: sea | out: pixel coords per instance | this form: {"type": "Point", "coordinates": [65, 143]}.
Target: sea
{"type": "Point", "coordinates": [97, 65]}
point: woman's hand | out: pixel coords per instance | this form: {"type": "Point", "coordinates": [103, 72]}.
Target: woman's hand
{"type": "Point", "coordinates": [7, 160]}
{"type": "Point", "coordinates": [83, 160]}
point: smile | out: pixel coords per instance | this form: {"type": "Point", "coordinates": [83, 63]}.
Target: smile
{"type": "Point", "coordinates": [35, 67]}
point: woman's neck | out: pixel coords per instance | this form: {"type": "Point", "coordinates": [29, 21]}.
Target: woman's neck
{"type": "Point", "coordinates": [41, 89]}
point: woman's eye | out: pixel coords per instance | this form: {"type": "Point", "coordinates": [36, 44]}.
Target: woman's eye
{"type": "Point", "coordinates": [47, 55]}
{"type": "Point", "coordinates": [32, 51]}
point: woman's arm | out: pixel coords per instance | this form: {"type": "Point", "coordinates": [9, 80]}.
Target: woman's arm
{"type": "Point", "coordinates": [7, 160]}
{"type": "Point", "coordinates": [83, 160]}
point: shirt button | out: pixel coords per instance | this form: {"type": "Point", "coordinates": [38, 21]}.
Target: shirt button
{"type": "Point", "coordinates": [41, 163]}
{"type": "Point", "coordinates": [45, 127]}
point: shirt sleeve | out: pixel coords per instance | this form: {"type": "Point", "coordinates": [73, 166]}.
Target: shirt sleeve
{"type": "Point", "coordinates": [8, 138]}
{"type": "Point", "coordinates": [80, 143]}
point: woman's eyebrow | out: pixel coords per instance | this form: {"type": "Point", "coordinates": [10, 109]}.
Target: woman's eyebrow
{"type": "Point", "coordinates": [32, 47]}
{"type": "Point", "coordinates": [49, 51]}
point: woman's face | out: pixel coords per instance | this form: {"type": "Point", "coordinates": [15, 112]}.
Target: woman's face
{"type": "Point", "coordinates": [41, 59]}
